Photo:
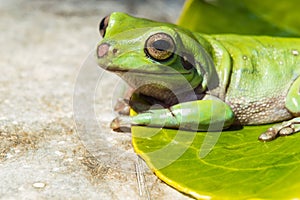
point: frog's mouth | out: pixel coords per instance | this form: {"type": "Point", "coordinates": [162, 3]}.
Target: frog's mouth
{"type": "Point", "coordinates": [134, 71]}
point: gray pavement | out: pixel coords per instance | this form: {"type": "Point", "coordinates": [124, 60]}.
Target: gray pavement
{"type": "Point", "coordinates": [46, 149]}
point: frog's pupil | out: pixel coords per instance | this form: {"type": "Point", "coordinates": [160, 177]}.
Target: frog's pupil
{"type": "Point", "coordinates": [161, 45]}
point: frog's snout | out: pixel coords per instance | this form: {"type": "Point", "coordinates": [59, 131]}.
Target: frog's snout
{"type": "Point", "coordinates": [103, 50]}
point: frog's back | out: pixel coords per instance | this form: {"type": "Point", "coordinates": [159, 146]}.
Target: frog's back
{"type": "Point", "coordinates": [263, 69]}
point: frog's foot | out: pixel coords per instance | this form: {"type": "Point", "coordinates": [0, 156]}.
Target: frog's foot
{"type": "Point", "coordinates": [284, 129]}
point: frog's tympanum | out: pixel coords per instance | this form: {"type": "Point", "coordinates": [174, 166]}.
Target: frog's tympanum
{"type": "Point", "coordinates": [203, 82]}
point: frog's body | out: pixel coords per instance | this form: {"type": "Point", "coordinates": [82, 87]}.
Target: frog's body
{"type": "Point", "coordinates": [262, 70]}
{"type": "Point", "coordinates": [206, 81]}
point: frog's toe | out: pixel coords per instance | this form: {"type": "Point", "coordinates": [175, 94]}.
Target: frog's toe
{"type": "Point", "coordinates": [269, 135]}
{"type": "Point", "coordinates": [115, 124]}
{"type": "Point", "coordinates": [286, 131]}
{"type": "Point", "coordinates": [122, 107]}
{"type": "Point", "coordinates": [121, 124]}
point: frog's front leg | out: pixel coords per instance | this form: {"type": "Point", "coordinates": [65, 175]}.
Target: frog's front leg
{"type": "Point", "coordinates": [292, 103]}
{"type": "Point", "coordinates": [200, 115]}
{"type": "Point", "coordinates": [132, 100]}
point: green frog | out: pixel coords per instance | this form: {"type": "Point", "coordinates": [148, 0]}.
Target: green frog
{"type": "Point", "coordinates": [200, 82]}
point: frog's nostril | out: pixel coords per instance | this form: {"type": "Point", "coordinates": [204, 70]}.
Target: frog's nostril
{"type": "Point", "coordinates": [102, 50]}
{"type": "Point", "coordinates": [115, 51]}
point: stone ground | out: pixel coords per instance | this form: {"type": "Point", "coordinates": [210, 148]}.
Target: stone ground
{"type": "Point", "coordinates": [56, 105]}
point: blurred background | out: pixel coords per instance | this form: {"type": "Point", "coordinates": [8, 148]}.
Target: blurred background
{"type": "Point", "coordinates": [43, 46]}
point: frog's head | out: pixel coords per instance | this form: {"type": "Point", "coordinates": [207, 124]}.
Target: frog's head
{"type": "Point", "coordinates": [161, 55]}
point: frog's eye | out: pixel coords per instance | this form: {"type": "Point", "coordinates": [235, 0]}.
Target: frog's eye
{"type": "Point", "coordinates": [160, 46]}
{"type": "Point", "coordinates": [103, 25]}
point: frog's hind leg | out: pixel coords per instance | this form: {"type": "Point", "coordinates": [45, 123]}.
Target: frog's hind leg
{"type": "Point", "coordinates": [292, 103]}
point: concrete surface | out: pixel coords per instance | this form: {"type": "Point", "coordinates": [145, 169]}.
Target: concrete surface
{"type": "Point", "coordinates": [56, 105]}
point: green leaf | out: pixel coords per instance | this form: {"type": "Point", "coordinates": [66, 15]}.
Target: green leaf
{"type": "Point", "coordinates": [268, 17]}
{"type": "Point", "coordinates": [238, 166]}
{"type": "Point", "coordinates": [282, 14]}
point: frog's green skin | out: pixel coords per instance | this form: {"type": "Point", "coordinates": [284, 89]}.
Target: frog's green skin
{"type": "Point", "coordinates": [234, 79]}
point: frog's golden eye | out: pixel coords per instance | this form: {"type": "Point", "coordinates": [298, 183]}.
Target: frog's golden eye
{"type": "Point", "coordinates": [103, 25]}
{"type": "Point", "coordinates": [160, 46]}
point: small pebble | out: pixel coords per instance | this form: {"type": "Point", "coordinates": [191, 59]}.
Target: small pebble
{"type": "Point", "coordinates": [39, 185]}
